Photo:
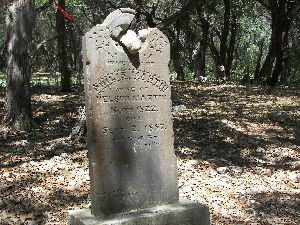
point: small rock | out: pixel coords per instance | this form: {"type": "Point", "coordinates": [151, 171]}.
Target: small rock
{"type": "Point", "coordinates": [212, 103]}
{"type": "Point", "coordinates": [61, 166]}
{"type": "Point", "coordinates": [203, 111]}
{"type": "Point", "coordinates": [260, 150]}
{"type": "Point", "coordinates": [294, 177]}
{"type": "Point", "coordinates": [38, 190]}
{"type": "Point", "coordinates": [32, 163]}
{"type": "Point", "coordinates": [64, 155]}
{"type": "Point", "coordinates": [236, 169]}
{"type": "Point", "coordinates": [60, 179]}
{"type": "Point", "coordinates": [73, 185]}
{"type": "Point", "coordinates": [222, 169]}
{"type": "Point", "coordinates": [57, 158]}
{"type": "Point", "coordinates": [86, 177]}
{"type": "Point", "coordinates": [194, 162]}
{"type": "Point", "coordinates": [179, 108]}
{"type": "Point", "coordinates": [30, 222]}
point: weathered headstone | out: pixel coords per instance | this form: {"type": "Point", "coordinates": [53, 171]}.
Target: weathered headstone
{"type": "Point", "coordinates": [133, 168]}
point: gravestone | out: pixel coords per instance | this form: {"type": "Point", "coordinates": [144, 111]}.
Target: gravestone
{"type": "Point", "coordinates": [132, 164]}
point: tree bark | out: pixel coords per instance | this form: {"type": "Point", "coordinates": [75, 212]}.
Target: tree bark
{"type": "Point", "coordinates": [176, 54]}
{"type": "Point", "coordinates": [3, 57]}
{"type": "Point", "coordinates": [138, 9]}
{"type": "Point", "coordinates": [258, 62]}
{"type": "Point", "coordinates": [187, 9]}
{"type": "Point", "coordinates": [231, 47]}
{"type": "Point", "coordinates": [223, 55]}
{"type": "Point", "coordinates": [279, 11]}
{"type": "Point", "coordinates": [19, 24]}
{"type": "Point", "coordinates": [224, 38]}
{"type": "Point", "coordinates": [266, 69]}
{"type": "Point", "coordinates": [200, 58]}
{"type": "Point", "coordinates": [64, 70]}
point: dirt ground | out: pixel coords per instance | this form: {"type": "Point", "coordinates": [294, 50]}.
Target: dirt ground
{"type": "Point", "coordinates": [235, 148]}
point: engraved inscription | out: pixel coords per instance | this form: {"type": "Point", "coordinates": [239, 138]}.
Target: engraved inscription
{"type": "Point", "coordinates": [147, 108]}
{"type": "Point", "coordinates": [117, 194]}
{"type": "Point", "coordinates": [155, 127]}
{"type": "Point", "coordinates": [122, 76]}
{"type": "Point", "coordinates": [130, 98]}
{"type": "Point", "coordinates": [131, 88]}
{"type": "Point", "coordinates": [148, 127]}
{"type": "Point", "coordinates": [156, 45]}
{"type": "Point", "coordinates": [135, 138]}
{"type": "Point", "coordinates": [133, 118]}
{"type": "Point", "coordinates": [102, 43]}
{"type": "Point", "coordinates": [129, 110]}
{"type": "Point", "coordinates": [124, 63]}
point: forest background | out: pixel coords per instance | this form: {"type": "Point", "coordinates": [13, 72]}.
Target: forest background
{"type": "Point", "coordinates": [235, 91]}
{"type": "Point", "coordinates": [230, 40]}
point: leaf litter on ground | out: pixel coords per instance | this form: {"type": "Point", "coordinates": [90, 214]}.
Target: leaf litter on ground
{"type": "Point", "coordinates": [236, 152]}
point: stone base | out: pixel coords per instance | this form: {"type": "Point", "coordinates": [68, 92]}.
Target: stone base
{"type": "Point", "coordinates": [185, 213]}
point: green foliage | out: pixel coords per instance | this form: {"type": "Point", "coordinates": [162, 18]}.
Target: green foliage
{"type": "Point", "coordinates": [253, 27]}
{"type": "Point", "coordinates": [2, 80]}
{"type": "Point", "coordinates": [46, 79]}
{"type": "Point", "coordinates": [2, 27]}
{"type": "Point", "coordinates": [39, 3]}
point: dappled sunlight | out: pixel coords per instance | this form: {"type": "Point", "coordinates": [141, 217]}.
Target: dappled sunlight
{"type": "Point", "coordinates": [232, 155]}
{"type": "Point", "coordinates": [231, 146]}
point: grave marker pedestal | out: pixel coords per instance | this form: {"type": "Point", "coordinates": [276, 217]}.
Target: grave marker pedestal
{"type": "Point", "coordinates": [133, 169]}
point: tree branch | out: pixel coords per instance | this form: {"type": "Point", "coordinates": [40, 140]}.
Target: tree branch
{"type": "Point", "coordinates": [82, 9]}
{"type": "Point", "coordinates": [44, 7]}
{"type": "Point", "coordinates": [264, 4]}
{"type": "Point", "coordinates": [187, 9]}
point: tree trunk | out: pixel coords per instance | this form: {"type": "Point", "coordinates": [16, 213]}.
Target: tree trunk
{"type": "Point", "coordinates": [64, 70]}
{"type": "Point", "coordinates": [231, 47]}
{"type": "Point", "coordinates": [258, 62]}
{"type": "Point", "coordinates": [176, 54]}
{"type": "Point", "coordinates": [286, 71]}
{"type": "Point", "coordinates": [266, 69]}
{"type": "Point", "coordinates": [3, 57]}
{"type": "Point", "coordinates": [19, 24]}
{"type": "Point", "coordinates": [185, 10]}
{"type": "Point", "coordinates": [278, 47]}
{"type": "Point", "coordinates": [223, 55]}
{"type": "Point", "coordinates": [277, 30]}
{"type": "Point", "coordinates": [224, 39]}
{"type": "Point", "coordinates": [200, 58]}
{"type": "Point", "coordinates": [220, 70]}
{"type": "Point", "coordinates": [138, 9]}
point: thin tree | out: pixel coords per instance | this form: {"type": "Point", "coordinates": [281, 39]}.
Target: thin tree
{"type": "Point", "coordinates": [62, 49]}
{"type": "Point", "coordinates": [223, 56]}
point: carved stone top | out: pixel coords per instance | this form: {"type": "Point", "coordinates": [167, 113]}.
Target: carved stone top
{"type": "Point", "coordinates": [118, 23]}
{"type": "Point", "coordinates": [119, 20]}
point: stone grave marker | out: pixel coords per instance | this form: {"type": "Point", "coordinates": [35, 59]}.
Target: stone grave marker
{"type": "Point", "coordinates": [132, 163]}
